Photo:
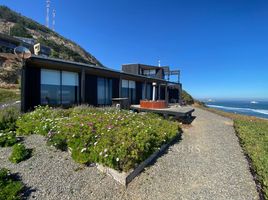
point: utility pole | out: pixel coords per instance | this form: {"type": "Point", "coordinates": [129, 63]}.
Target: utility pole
{"type": "Point", "coordinates": [47, 16]}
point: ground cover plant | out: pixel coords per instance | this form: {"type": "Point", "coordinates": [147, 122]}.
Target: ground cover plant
{"type": "Point", "coordinates": [8, 118]}
{"type": "Point", "coordinates": [116, 138]}
{"type": "Point", "coordinates": [10, 188]}
{"type": "Point", "coordinates": [19, 153]}
{"type": "Point", "coordinates": [253, 135]}
{"type": "Point", "coordinates": [7, 95]}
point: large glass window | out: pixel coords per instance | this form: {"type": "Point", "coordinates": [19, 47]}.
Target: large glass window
{"type": "Point", "coordinates": [104, 91]}
{"type": "Point", "coordinates": [149, 72]}
{"type": "Point", "coordinates": [50, 87]}
{"type": "Point", "coordinates": [59, 87]}
{"type": "Point", "coordinates": [69, 89]}
{"type": "Point", "coordinates": [129, 90]}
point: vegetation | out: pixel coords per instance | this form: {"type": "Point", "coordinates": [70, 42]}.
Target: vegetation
{"type": "Point", "coordinates": [10, 188]}
{"type": "Point", "coordinates": [20, 31]}
{"type": "Point", "coordinates": [253, 136]}
{"type": "Point", "coordinates": [19, 153]}
{"type": "Point", "coordinates": [8, 118]}
{"type": "Point", "coordinates": [11, 16]}
{"type": "Point", "coordinates": [187, 98]}
{"type": "Point", "coordinates": [7, 95]}
{"type": "Point", "coordinates": [61, 51]}
{"type": "Point", "coordinates": [116, 138]}
{"type": "Point", "coordinates": [8, 139]}
{"type": "Point", "coordinates": [58, 50]}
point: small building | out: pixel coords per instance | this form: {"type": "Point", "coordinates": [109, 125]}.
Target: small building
{"type": "Point", "coordinates": [9, 43]}
{"type": "Point", "coordinates": [55, 82]}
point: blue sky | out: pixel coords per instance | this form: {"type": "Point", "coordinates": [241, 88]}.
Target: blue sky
{"type": "Point", "coordinates": [220, 46]}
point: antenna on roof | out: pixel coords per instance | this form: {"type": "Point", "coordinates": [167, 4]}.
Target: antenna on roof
{"type": "Point", "coordinates": [47, 16]}
{"type": "Point", "coordinates": [159, 63]}
{"type": "Point", "coordinates": [53, 22]}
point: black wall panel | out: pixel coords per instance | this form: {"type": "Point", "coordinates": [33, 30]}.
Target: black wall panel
{"type": "Point", "coordinates": [115, 90]}
{"type": "Point", "coordinates": [138, 92]}
{"type": "Point", "coordinates": [32, 87]}
{"type": "Point", "coordinates": [91, 90]}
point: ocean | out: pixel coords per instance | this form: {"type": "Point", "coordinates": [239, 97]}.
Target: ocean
{"type": "Point", "coordinates": [251, 108]}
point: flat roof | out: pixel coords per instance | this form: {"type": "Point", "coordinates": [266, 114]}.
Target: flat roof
{"type": "Point", "coordinates": [91, 66]}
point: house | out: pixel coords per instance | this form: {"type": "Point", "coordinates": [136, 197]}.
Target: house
{"type": "Point", "coordinates": [55, 82]}
{"type": "Point", "coordinates": [9, 43]}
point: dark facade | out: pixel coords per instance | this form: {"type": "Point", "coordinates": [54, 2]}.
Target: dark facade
{"type": "Point", "coordinates": [56, 82]}
{"type": "Point", "coordinates": [145, 70]}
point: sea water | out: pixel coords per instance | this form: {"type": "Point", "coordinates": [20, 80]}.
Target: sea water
{"type": "Point", "coordinates": [245, 107]}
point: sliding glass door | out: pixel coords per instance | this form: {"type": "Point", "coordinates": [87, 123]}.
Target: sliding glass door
{"type": "Point", "coordinates": [50, 87]}
{"type": "Point", "coordinates": [128, 90]}
{"type": "Point", "coordinates": [59, 87]}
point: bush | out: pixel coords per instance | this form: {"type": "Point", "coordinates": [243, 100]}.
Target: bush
{"type": "Point", "coordinates": [8, 139]}
{"type": "Point", "coordinates": [57, 140]}
{"type": "Point", "coordinates": [116, 138]}
{"type": "Point", "coordinates": [10, 188]}
{"type": "Point", "coordinates": [41, 121]}
{"type": "Point", "coordinates": [8, 117]}
{"type": "Point", "coordinates": [19, 153]}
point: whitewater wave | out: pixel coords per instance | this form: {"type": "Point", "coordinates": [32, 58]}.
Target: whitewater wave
{"type": "Point", "coordinates": [245, 110]}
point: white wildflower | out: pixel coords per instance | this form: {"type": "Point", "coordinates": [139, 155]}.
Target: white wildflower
{"type": "Point", "coordinates": [105, 150]}
{"type": "Point", "coordinates": [83, 150]}
{"type": "Point", "coordinates": [100, 153]}
{"type": "Point", "coordinates": [117, 159]}
{"type": "Point", "coordinates": [105, 155]}
{"type": "Point", "coordinates": [95, 143]}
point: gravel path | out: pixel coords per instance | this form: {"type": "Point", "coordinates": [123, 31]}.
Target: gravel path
{"type": "Point", "coordinates": [207, 164]}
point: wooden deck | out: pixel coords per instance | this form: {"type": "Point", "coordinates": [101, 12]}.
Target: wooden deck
{"type": "Point", "coordinates": [175, 111]}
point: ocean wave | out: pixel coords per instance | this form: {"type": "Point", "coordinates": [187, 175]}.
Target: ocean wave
{"type": "Point", "coordinates": [261, 111]}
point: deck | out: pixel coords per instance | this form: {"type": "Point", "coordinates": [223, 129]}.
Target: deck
{"type": "Point", "coordinates": [173, 110]}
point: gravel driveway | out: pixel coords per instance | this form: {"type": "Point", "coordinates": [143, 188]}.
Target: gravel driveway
{"type": "Point", "coordinates": [207, 163]}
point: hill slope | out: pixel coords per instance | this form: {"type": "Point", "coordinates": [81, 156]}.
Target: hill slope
{"type": "Point", "coordinates": [61, 47]}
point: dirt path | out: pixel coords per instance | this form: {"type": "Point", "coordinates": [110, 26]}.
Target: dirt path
{"type": "Point", "coordinates": [207, 163]}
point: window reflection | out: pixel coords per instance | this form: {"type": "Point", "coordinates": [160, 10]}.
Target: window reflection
{"type": "Point", "coordinates": [59, 87]}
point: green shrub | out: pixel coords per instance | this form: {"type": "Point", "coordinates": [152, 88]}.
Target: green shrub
{"type": "Point", "coordinates": [40, 121]}
{"type": "Point", "coordinates": [19, 153]}
{"type": "Point", "coordinates": [57, 140]}
{"type": "Point", "coordinates": [8, 118]}
{"type": "Point", "coordinates": [10, 188]}
{"type": "Point", "coordinates": [8, 139]}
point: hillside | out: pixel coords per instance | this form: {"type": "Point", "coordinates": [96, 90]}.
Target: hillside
{"type": "Point", "coordinates": [63, 48]}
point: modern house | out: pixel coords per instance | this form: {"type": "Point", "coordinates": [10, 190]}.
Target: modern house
{"type": "Point", "coordinates": [55, 82]}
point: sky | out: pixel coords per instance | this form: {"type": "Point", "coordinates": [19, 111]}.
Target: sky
{"type": "Point", "coordinates": [220, 46]}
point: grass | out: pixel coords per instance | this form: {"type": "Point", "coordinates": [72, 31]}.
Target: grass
{"type": "Point", "coordinates": [7, 95]}
{"type": "Point", "coordinates": [118, 139]}
{"type": "Point", "coordinates": [10, 187]}
{"type": "Point", "coordinates": [253, 135]}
